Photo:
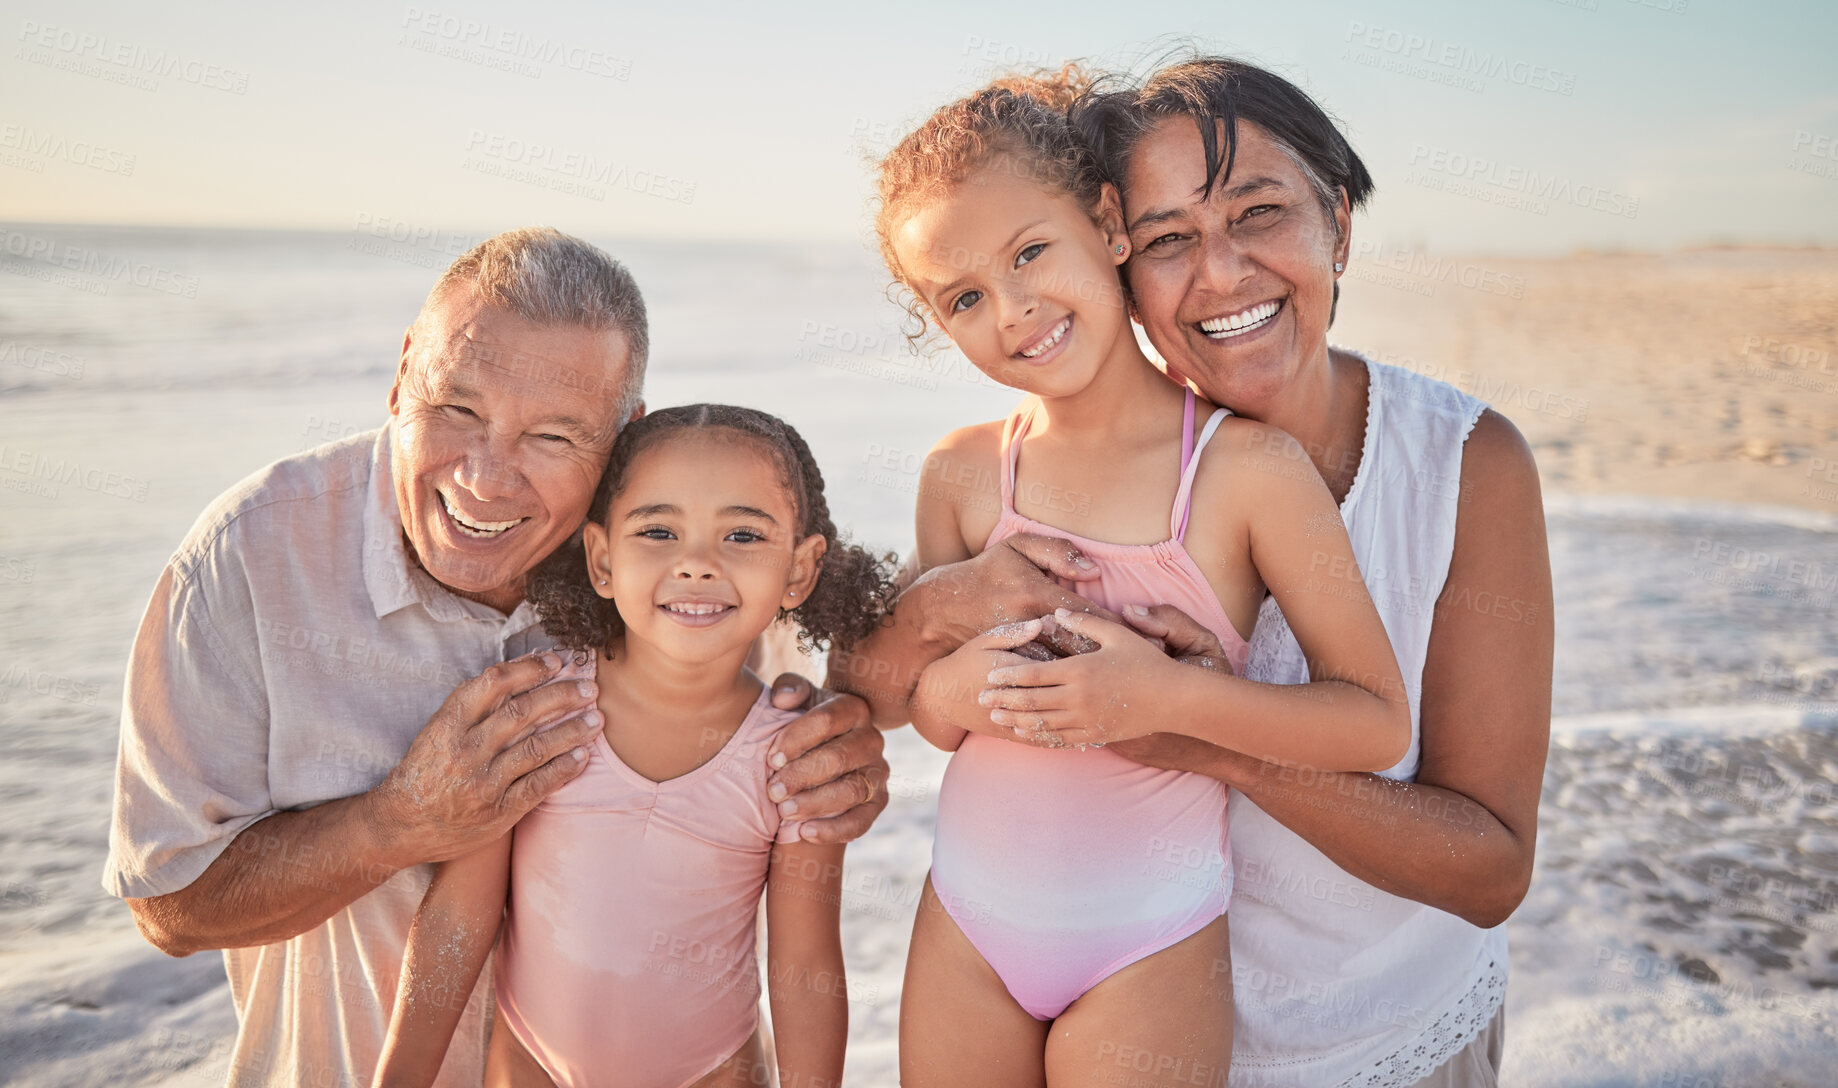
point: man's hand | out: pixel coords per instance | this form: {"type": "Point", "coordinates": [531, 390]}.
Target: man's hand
{"type": "Point", "coordinates": [501, 742]}
{"type": "Point", "coordinates": [828, 770]}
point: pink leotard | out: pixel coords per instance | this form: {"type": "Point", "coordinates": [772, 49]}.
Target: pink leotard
{"type": "Point", "coordinates": [628, 953]}
{"type": "Point", "coordinates": [1063, 867]}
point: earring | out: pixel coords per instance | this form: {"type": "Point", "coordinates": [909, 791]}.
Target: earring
{"type": "Point", "coordinates": [1338, 266]}
{"type": "Point", "coordinates": [1119, 251]}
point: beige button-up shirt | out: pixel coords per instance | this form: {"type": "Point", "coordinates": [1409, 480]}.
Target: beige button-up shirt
{"type": "Point", "coordinates": [289, 655]}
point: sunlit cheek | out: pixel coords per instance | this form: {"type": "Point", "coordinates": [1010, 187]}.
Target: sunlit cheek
{"type": "Point", "coordinates": [1158, 286]}
{"type": "Point", "coordinates": [427, 450]}
{"type": "Point", "coordinates": [1309, 240]}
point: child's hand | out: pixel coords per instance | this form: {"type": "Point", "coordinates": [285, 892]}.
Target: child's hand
{"type": "Point", "coordinates": [1093, 698]}
{"type": "Point", "coordinates": [948, 689]}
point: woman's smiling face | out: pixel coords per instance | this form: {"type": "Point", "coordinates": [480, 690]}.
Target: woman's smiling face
{"type": "Point", "coordinates": [1233, 286]}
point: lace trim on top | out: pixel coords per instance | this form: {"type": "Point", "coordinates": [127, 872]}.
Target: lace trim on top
{"type": "Point", "coordinates": [1443, 1038]}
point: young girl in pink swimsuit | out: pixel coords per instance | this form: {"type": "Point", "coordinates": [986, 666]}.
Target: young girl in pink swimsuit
{"type": "Point", "coordinates": [633, 891]}
{"type": "Point", "coordinates": [1073, 927]}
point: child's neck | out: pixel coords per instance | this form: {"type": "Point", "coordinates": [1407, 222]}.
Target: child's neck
{"type": "Point", "coordinates": [638, 676]}
{"type": "Point", "coordinates": [1128, 395]}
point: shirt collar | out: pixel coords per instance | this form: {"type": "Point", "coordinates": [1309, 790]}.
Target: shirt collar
{"type": "Point", "coordinates": [393, 579]}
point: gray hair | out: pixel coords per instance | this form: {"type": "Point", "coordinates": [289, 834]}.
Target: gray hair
{"type": "Point", "coordinates": [1328, 196]}
{"type": "Point", "coordinates": [549, 278]}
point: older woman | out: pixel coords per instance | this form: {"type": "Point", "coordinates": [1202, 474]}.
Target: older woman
{"type": "Point", "coordinates": [1367, 943]}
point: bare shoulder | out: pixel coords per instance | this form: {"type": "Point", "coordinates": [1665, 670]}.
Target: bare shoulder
{"type": "Point", "coordinates": [1498, 473]}
{"type": "Point", "coordinates": [1496, 449]}
{"type": "Point", "coordinates": [1499, 522]}
{"type": "Point", "coordinates": [1246, 456]}
{"type": "Point", "coordinates": [960, 494]}
{"type": "Point", "coordinates": [979, 440]}
{"type": "Point", "coordinates": [965, 465]}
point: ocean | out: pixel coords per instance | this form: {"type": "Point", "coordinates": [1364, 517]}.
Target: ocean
{"type": "Point", "coordinates": [1682, 926]}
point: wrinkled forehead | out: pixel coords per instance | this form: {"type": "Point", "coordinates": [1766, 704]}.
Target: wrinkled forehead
{"type": "Point", "coordinates": [545, 370]}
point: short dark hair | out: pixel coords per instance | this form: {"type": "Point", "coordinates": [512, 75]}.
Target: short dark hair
{"type": "Point", "coordinates": [1211, 90]}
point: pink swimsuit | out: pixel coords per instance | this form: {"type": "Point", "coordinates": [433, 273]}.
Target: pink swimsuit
{"type": "Point", "coordinates": [1063, 867]}
{"type": "Point", "coordinates": [628, 954]}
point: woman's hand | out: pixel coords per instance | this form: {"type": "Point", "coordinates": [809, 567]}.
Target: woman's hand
{"type": "Point", "coordinates": [1179, 635]}
{"type": "Point", "coordinates": [1111, 693]}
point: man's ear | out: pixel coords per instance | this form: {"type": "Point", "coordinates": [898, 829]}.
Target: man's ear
{"type": "Point", "coordinates": [599, 549]}
{"type": "Point", "coordinates": [806, 562]}
{"type": "Point", "coordinates": [395, 389]}
{"type": "Point", "coordinates": [638, 411]}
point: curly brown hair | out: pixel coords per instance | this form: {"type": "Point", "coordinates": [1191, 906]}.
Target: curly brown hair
{"type": "Point", "coordinates": [1019, 123]}
{"type": "Point", "coordinates": [854, 588]}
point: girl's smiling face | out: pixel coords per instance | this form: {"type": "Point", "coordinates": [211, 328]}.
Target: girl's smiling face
{"type": "Point", "coordinates": [700, 550]}
{"type": "Point", "coordinates": [1020, 277]}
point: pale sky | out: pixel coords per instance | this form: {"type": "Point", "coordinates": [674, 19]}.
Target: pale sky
{"type": "Point", "coordinates": [1500, 126]}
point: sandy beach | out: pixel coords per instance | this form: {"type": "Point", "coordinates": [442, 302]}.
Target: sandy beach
{"type": "Point", "coordinates": [1706, 374]}
{"type": "Point", "coordinates": [1682, 927]}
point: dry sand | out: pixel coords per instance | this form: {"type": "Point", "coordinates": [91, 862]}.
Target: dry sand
{"type": "Point", "coordinates": [1707, 374]}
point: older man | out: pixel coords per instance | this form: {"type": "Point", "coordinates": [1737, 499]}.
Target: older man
{"type": "Point", "coordinates": [299, 739]}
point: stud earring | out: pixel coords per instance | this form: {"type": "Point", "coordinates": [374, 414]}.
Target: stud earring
{"type": "Point", "coordinates": [1119, 251]}
{"type": "Point", "coordinates": [1338, 266]}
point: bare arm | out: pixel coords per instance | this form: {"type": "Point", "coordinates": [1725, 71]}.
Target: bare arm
{"type": "Point", "coordinates": [484, 759]}
{"type": "Point", "coordinates": [1461, 837]}
{"type": "Point", "coordinates": [447, 946]}
{"type": "Point", "coordinates": [804, 966]}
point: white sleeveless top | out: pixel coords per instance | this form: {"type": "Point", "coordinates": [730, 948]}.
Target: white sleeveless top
{"type": "Point", "coordinates": [1334, 981]}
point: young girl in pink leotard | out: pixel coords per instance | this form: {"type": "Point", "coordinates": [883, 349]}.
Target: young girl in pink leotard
{"type": "Point", "coordinates": [633, 891]}
{"type": "Point", "coordinates": [1073, 929]}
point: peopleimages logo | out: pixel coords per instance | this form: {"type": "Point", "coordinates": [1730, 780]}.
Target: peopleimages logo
{"type": "Point", "coordinates": [1527, 182]}
{"type": "Point", "coordinates": [126, 61]}
{"type": "Point", "coordinates": [91, 269]}
{"type": "Point", "coordinates": [513, 49]}
{"type": "Point", "coordinates": [55, 146]}
{"type": "Point", "coordinates": [1440, 60]}
{"type": "Point", "coordinates": [565, 170]}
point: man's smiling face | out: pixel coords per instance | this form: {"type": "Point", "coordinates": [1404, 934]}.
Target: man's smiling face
{"type": "Point", "coordinates": [502, 429]}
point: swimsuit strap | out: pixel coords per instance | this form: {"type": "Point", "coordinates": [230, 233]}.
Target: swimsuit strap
{"type": "Point", "coordinates": [1186, 428]}
{"type": "Point", "coordinates": [1012, 431]}
{"type": "Point", "coordinates": [1183, 499]}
